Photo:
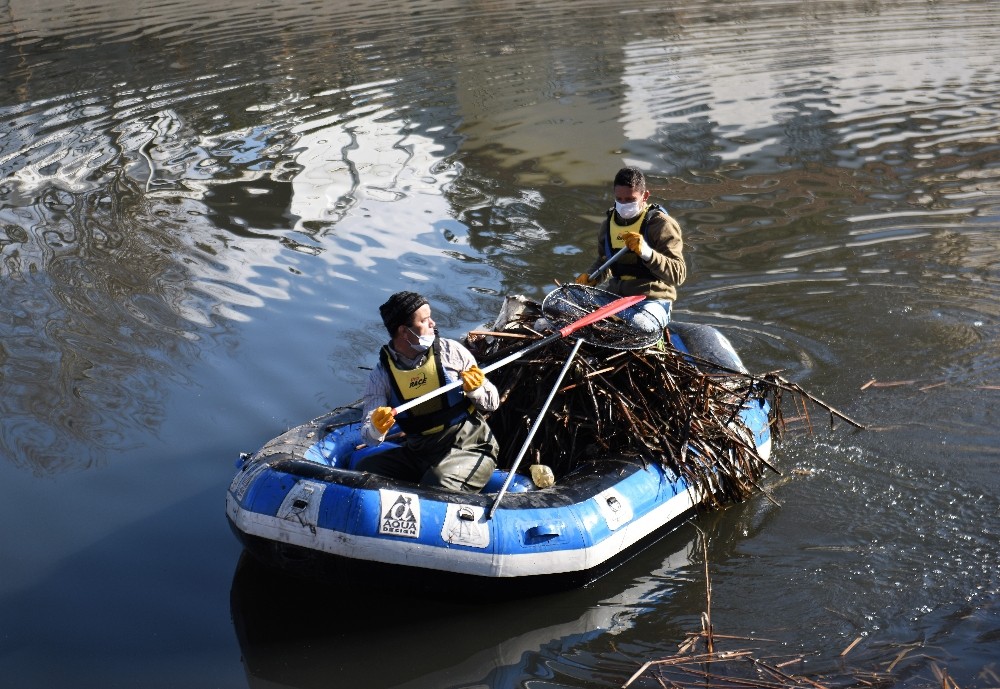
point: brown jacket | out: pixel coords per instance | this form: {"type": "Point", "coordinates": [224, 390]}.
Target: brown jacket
{"type": "Point", "coordinates": [667, 265]}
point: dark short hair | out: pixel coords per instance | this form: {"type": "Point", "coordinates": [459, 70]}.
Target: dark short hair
{"type": "Point", "coordinates": [630, 177]}
{"type": "Point", "coordinates": [399, 309]}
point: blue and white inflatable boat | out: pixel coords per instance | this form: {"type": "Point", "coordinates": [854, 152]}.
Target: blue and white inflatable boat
{"type": "Point", "coordinates": [299, 504]}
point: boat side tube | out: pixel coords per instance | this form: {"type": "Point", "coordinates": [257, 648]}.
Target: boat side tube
{"type": "Point", "coordinates": [705, 342]}
{"type": "Point", "coordinates": [587, 522]}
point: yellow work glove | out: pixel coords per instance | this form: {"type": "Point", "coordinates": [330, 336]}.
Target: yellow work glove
{"type": "Point", "coordinates": [584, 279]}
{"type": "Point", "coordinates": [542, 476]}
{"type": "Point", "coordinates": [472, 378]}
{"type": "Point", "coordinates": [382, 419]}
{"type": "Point", "coordinates": [634, 242]}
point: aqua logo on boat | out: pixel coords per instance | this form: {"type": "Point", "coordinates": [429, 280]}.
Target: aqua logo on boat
{"type": "Point", "coordinates": [399, 514]}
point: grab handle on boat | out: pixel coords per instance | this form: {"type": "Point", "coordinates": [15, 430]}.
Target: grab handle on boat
{"type": "Point", "coordinates": [543, 532]}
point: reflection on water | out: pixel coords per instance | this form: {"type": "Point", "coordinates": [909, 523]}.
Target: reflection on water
{"type": "Point", "coordinates": [202, 205]}
{"type": "Point", "coordinates": [89, 334]}
{"type": "Point", "coordinates": [293, 634]}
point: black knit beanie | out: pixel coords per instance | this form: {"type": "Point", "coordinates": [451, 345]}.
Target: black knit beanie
{"type": "Point", "coordinates": [398, 310]}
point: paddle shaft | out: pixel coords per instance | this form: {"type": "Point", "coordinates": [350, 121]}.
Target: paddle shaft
{"type": "Point", "coordinates": [591, 318]}
{"type": "Point", "coordinates": [534, 428]}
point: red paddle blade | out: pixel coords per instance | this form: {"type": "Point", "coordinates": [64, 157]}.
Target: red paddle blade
{"type": "Point", "coordinates": [602, 313]}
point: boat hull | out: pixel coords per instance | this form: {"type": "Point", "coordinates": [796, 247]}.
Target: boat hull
{"type": "Point", "coordinates": [307, 518]}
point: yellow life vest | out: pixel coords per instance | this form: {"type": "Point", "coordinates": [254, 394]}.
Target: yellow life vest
{"type": "Point", "coordinates": [615, 233]}
{"type": "Point", "coordinates": [434, 415]}
{"type": "Point", "coordinates": [618, 230]}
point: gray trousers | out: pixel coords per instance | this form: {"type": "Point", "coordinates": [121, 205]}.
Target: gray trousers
{"type": "Point", "coordinates": [459, 458]}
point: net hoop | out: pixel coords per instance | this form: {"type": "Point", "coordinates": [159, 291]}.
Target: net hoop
{"type": "Point", "coordinates": [631, 328]}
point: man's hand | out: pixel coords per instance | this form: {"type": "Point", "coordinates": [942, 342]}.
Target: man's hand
{"type": "Point", "coordinates": [472, 378]}
{"type": "Point", "coordinates": [584, 279]}
{"type": "Point", "coordinates": [634, 242]}
{"type": "Point", "coordinates": [382, 419]}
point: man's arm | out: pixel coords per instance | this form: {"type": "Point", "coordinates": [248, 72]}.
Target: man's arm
{"type": "Point", "coordinates": [667, 262]}
{"type": "Point", "coordinates": [601, 258]}
{"type": "Point", "coordinates": [376, 395]}
{"type": "Point", "coordinates": [456, 358]}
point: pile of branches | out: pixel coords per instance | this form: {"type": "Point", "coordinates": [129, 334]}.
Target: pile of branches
{"type": "Point", "coordinates": [651, 405]}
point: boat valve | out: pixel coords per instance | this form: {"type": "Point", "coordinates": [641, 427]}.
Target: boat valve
{"type": "Point", "coordinates": [466, 513]}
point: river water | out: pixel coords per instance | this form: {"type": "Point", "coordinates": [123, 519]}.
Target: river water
{"type": "Point", "coordinates": [202, 205]}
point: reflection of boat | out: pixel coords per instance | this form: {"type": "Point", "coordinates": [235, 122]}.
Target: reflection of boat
{"type": "Point", "coordinates": [298, 504]}
{"type": "Point", "coordinates": [291, 635]}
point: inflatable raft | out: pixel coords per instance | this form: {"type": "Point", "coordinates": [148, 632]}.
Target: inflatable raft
{"type": "Point", "coordinates": [298, 504]}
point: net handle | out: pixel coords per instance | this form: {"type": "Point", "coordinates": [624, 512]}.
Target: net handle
{"type": "Point", "coordinates": [618, 254]}
{"type": "Point", "coordinates": [534, 428]}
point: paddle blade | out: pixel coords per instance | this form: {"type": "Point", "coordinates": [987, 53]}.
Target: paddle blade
{"type": "Point", "coordinates": [601, 313]}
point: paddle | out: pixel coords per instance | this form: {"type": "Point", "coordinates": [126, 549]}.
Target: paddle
{"type": "Point", "coordinates": [534, 427]}
{"type": "Point", "coordinates": [591, 318]}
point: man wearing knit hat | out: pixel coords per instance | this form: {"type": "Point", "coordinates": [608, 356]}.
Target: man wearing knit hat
{"type": "Point", "coordinates": [448, 443]}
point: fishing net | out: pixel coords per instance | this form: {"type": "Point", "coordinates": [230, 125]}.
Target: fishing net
{"type": "Point", "coordinates": [631, 328]}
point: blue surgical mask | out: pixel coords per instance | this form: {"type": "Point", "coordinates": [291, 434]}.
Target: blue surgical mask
{"type": "Point", "coordinates": [423, 341]}
{"type": "Point", "coordinates": [628, 210]}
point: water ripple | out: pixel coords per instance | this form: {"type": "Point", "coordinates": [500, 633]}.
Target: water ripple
{"type": "Point", "coordinates": [190, 191]}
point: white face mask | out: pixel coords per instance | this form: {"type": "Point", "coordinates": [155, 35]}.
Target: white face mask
{"type": "Point", "coordinates": [628, 210]}
{"type": "Point", "coordinates": [423, 341]}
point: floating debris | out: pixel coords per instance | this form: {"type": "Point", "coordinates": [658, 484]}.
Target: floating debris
{"type": "Point", "coordinates": [701, 663]}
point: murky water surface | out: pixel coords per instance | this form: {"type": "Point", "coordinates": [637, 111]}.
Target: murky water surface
{"type": "Point", "coordinates": [202, 205]}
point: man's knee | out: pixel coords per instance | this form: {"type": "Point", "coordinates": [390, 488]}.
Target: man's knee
{"type": "Point", "coordinates": [467, 473]}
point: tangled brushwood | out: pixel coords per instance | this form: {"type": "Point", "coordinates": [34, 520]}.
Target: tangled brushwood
{"type": "Point", "coordinates": [648, 405]}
